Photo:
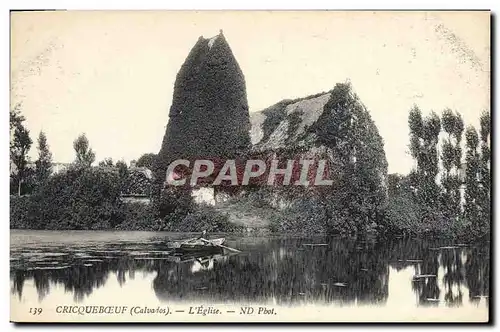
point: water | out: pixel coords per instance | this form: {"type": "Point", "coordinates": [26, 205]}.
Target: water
{"type": "Point", "coordinates": [81, 267]}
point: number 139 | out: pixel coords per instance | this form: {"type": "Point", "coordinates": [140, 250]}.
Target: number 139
{"type": "Point", "coordinates": [36, 311]}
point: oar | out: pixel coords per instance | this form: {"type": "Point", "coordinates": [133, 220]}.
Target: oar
{"type": "Point", "coordinates": [220, 245]}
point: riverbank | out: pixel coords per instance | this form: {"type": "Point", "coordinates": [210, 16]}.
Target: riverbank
{"type": "Point", "coordinates": [242, 216]}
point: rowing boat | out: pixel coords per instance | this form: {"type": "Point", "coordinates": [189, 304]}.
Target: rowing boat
{"type": "Point", "coordinates": [200, 244]}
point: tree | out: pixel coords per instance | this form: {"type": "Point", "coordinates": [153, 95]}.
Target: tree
{"type": "Point", "coordinates": [432, 128]}
{"type": "Point", "coordinates": [20, 144]}
{"type": "Point", "coordinates": [123, 175]}
{"type": "Point", "coordinates": [485, 167]}
{"type": "Point", "coordinates": [416, 125]}
{"type": "Point", "coordinates": [44, 163]}
{"type": "Point", "coordinates": [424, 137]}
{"type": "Point", "coordinates": [122, 168]}
{"type": "Point", "coordinates": [80, 198]}
{"type": "Point", "coordinates": [146, 160]}
{"type": "Point", "coordinates": [84, 154]}
{"type": "Point", "coordinates": [451, 157]}
{"type": "Point", "coordinates": [471, 182]}
{"type": "Point", "coordinates": [107, 162]}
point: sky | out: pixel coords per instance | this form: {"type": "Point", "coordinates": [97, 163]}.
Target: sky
{"type": "Point", "coordinates": [111, 74]}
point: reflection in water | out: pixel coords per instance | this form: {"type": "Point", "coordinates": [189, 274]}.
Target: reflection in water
{"type": "Point", "coordinates": [270, 270]}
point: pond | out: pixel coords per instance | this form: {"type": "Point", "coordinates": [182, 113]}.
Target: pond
{"type": "Point", "coordinates": [95, 267]}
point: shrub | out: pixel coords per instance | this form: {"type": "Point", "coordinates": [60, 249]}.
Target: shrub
{"type": "Point", "coordinates": [404, 216]}
{"type": "Point", "coordinates": [305, 216]}
{"type": "Point", "coordinates": [173, 201]}
{"type": "Point", "coordinates": [20, 211]}
{"type": "Point", "coordinates": [80, 198]}
{"type": "Point", "coordinates": [138, 217]}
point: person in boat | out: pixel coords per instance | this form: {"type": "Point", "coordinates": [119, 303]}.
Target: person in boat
{"type": "Point", "coordinates": [202, 234]}
{"type": "Point", "coordinates": [204, 262]}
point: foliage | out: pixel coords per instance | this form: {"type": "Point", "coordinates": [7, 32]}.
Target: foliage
{"type": "Point", "coordinates": [21, 210]}
{"type": "Point", "coordinates": [202, 217]}
{"type": "Point", "coordinates": [304, 216]}
{"type": "Point", "coordinates": [451, 158]}
{"type": "Point", "coordinates": [122, 169]}
{"type": "Point", "coordinates": [413, 206]}
{"type": "Point", "coordinates": [89, 199]}
{"type": "Point", "coordinates": [472, 213]}
{"type": "Point", "coordinates": [20, 144]}
{"type": "Point", "coordinates": [80, 198]}
{"type": "Point", "coordinates": [485, 168]}
{"type": "Point", "coordinates": [146, 160]}
{"type": "Point", "coordinates": [424, 138]}
{"type": "Point", "coordinates": [359, 194]}
{"type": "Point", "coordinates": [173, 201]}
{"type": "Point", "coordinates": [107, 162]}
{"type": "Point", "coordinates": [44, 162]}
{"type": "Point", "coordinates": [84, 154]}
{"type": "Point", "coordinates": [405, 216]}
{"type": "Point", "coordinates": [138, 217]}
{"type": "Point", "coordinates": [209, 106]}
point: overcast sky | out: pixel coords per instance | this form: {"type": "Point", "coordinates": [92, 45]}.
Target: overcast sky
{"type": "Point", "coordinates": [111, 74]}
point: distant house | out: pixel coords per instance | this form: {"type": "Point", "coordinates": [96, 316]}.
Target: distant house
{"type": "Point", "coordinates": [59, 167]}
{"type": "Point", "coordinates": [56, 167]}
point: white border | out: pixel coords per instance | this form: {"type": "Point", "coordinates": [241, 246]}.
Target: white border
{"type": "Point", "coordinates": [6, 5]}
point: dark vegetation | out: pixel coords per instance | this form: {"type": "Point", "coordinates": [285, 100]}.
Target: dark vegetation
{"type": "Point", "coordinates": [84, 197]}
{"type": "Point", "coordinates": [209, 106]}
{"type": "Point", "coordinates": [89, 199]}
{"type": "Point", "coordinates": [452, 199]}
{"type": "Point", "coordinates": [441, 196]}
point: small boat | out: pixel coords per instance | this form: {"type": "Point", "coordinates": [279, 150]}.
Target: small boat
{"type": "Point", "coordinates": [201, 245]}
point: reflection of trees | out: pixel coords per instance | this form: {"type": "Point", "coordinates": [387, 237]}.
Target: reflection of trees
{"type": "Point", "coordinates": [281, 271]}
{"type": "Point", "coordinates": [285, 274]}
{"type": "Point", "coordinates": [477, 271]}
{"type": "Point", "coordinates": [79, 279]}
{"type": "Point", "coordinates": [426, 258]}
{"type": "Point", "coordinates": [474, 274]}
{"type": "Point", "coordinates": [427, 288]}
{"type": "Point", "coordinates": [453, 276]}
{"type": "Point", "coordinates": [18, 282]}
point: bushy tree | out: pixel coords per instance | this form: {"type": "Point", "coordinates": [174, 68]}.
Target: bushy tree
{"type": "Point", "coordinates": [80, 198]}
{"type": "Point", "coordinates": [416, 126]}
{"type": "Point", "coordinates": [451, 157]}
{"type": "Point", "coordinates": [122, 169]}
{"type": "Point", "coordinates": [146, 160]}
{"type": "Point", "coordinates": [84, 154]}
{"type": "Point", "coordinates": [424, 138]}
{"type": "Point", "coordinates": [20, 144]}
{"type": "Point", "coordinates": [472, 194]}
{"type": "Point", "coordinates": [485, 168]}
{"type": "Point", "coordinates": [107, 162]}
{"type": "Point", "coordinates": [432, 128]}
{"type": "Point", "coordinates": [44, 162]}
